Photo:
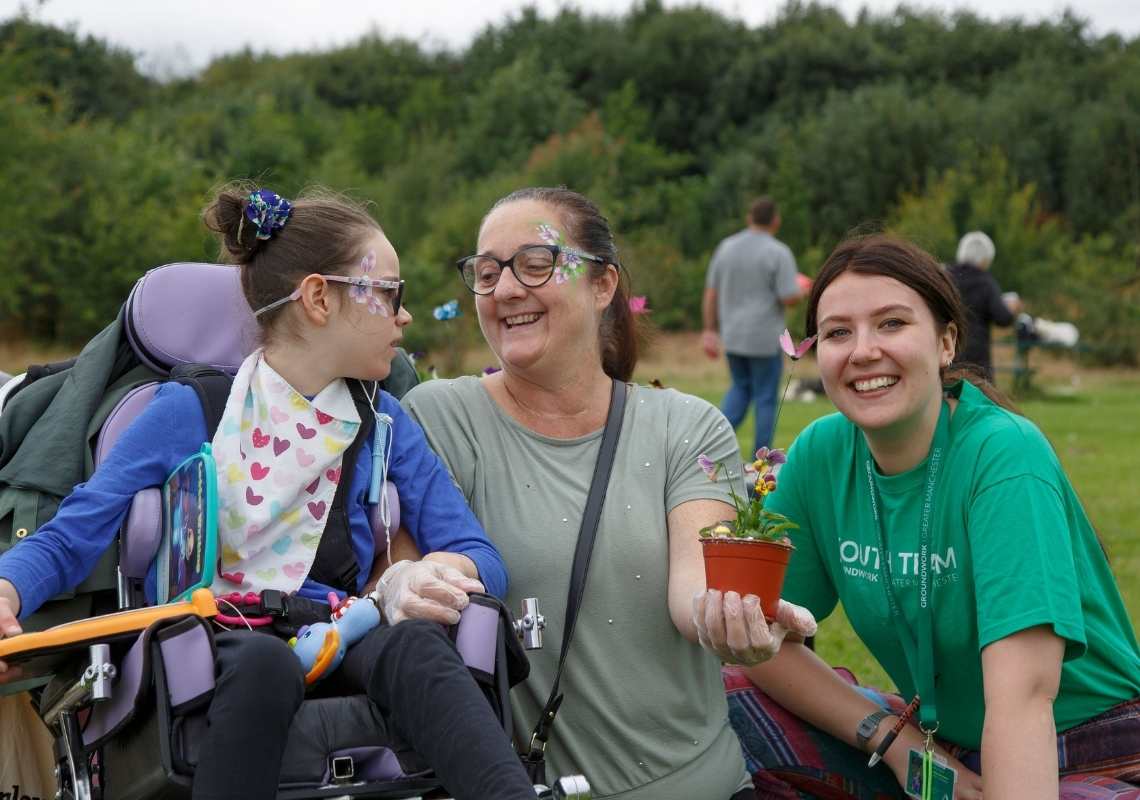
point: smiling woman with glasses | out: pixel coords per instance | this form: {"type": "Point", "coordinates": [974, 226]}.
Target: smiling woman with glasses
{"type": "Point", "coordinates": [523, 443]}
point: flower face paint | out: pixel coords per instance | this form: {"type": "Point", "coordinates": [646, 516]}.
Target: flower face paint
{"type": "Point", "coordinates": [569, 264]}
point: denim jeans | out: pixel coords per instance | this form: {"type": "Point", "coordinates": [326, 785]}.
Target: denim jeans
{"type": "Point", "coordinates": [755, 379]}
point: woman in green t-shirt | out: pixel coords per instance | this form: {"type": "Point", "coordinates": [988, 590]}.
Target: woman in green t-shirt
{"type": "Point", "coordinates": [943, 522]}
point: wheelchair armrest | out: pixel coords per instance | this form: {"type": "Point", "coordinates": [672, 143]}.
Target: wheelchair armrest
{"type": "Point", "coordinates": [141, 534]}
{"type": "Point", "coordinates": [378, 532]}
{"type": "Point", "coordinates": [40, 652]}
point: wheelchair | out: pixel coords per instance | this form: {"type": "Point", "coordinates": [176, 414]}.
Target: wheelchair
{"type": "Point", "coordinates": [126, 709]}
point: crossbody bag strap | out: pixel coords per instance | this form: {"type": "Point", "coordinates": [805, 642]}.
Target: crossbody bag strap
{"type": "Point", "coordinates": [582, 552]}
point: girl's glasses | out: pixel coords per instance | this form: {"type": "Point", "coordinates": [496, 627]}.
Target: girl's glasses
{"type": "Point", "coordinates": [362, 292]}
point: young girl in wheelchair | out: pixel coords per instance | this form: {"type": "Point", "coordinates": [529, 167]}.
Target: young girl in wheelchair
{"type": "Point", "coordinates": [324, 284]}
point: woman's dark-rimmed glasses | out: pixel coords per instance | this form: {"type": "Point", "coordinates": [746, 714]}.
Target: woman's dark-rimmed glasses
{"type": "Point", "coordinates": [532, 265]}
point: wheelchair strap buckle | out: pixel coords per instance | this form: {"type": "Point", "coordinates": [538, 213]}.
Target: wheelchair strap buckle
{"type": "Point", "coordinates": [342, 768]}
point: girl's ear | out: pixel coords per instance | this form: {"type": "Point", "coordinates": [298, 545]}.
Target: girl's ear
{"type": "Point", "coordinates": [317, 303]}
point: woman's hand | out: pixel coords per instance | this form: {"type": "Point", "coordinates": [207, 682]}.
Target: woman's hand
{"type": "Point", "coordinates": [968, 785]}
{"type": "Point", "coordinates": [736, 630]}
{"type": "Point", "coordinates": [423, 590]}
{"type": "Point", "coordinates": [9, 625]}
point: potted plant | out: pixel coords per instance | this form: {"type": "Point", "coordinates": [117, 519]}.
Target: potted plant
{"type": "Point", "coordinates": [750, 554]}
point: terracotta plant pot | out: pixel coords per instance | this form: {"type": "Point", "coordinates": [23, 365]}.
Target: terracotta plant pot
{"type": "Point", "coordinates": [748, 566]}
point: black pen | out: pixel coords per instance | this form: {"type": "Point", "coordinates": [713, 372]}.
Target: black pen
{"type": "Point", "coordinates": [881, 750]}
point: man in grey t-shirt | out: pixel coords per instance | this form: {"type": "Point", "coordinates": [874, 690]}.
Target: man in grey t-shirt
{"type": "Point", "coordinates": [751, 279]}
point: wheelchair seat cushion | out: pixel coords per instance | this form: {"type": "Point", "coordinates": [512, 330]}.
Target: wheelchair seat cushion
{"type": "Point", "coordinates": [323, 729]}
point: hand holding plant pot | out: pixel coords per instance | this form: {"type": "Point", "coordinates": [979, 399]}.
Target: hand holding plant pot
{"type": "Point", "coordinates": [749, 555]}
{"type": "Point", "coordinates": [735, 629]}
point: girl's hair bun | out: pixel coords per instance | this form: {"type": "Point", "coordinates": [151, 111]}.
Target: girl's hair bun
{"type": "Point", "coordinates": [226, 216]}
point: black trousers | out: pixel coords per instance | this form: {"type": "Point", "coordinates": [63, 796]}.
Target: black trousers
{"type": "Point", "coordinates": [258, 687]}
{"type": "Point", "coordinates": [413, 674]}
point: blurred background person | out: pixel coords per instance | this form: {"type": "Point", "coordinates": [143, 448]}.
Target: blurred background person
{"type": "Point", "coordinates": [751, 279]}
{"type": "Point", "coordinates": [982, 297]}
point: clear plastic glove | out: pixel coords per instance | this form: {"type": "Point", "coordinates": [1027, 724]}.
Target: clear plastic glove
{"type": "Point", "coordinates": [423, 590]}
{"type": "Point", "coordinates": [736, 630]}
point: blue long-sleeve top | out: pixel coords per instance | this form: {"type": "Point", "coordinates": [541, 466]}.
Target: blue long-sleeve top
{"type": "Point", "coordinates": [171, 429]}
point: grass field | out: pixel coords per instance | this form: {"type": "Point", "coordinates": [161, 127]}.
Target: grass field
{"type": "Point", "coordinates": [1089, 415]}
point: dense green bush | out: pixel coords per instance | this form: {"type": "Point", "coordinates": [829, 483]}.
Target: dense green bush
{"type": "Point", "coordinates": [671, 119]}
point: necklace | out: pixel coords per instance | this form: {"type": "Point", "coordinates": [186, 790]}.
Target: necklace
{"type": "Point", "coordinates": [541, 414]}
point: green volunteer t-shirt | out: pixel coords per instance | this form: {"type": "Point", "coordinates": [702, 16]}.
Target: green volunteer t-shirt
{"type": "Point", "coordinates": [644, 714]}
{"type": "Point", "coordinates": [1011, 549]}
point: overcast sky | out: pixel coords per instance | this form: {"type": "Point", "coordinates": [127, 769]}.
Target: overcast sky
{"type": "Point", "coordinates": [173, 37]}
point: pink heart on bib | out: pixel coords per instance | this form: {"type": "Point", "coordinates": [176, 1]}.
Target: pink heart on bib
{"type": "Point", "coordinates": [251, 498]}
{"type": "Point", "coordinates": [260, 439]}
{"type": "Point", "coordinates": [306, 433]}
{"type": "Point", "coordinates": [237, 578]}
{"type": "Point", "coordinates": [322, 417]}
{"type": "Point", "coordinates": [317, 509]}
{"type": "Point", "coordinates": [277, 415]}
{"type": "Point", "coordinates": [303, 458]}
{"type": "Point", "coordinates": [312, 487]}
{"type": "Point", "coordinates": [280, 445]}
{"type": "Point", "coordinates": [257, 471]}
{"type": "Point", "coordinates": [333, 475]}
{"type": "Point", "coordinates": [296, 570]}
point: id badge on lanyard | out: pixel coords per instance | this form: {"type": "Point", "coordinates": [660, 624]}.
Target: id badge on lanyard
{"type": "Point", "coordinates": [925, 774]}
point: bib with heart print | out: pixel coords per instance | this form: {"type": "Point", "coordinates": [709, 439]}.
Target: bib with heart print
{"type": "Point", "coordinates": [279, 458]}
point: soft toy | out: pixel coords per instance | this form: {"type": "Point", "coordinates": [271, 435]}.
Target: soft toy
{"type": "Point", "coordinates": [321, 647]}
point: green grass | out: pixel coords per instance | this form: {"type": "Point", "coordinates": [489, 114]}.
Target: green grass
{"type": "Point", "coordinates": [1094, 429]}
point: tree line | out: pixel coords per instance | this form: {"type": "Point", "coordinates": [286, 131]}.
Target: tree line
{"type": "Point", "coordinates": [672, 119]}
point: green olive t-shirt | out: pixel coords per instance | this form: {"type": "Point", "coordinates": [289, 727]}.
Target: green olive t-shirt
{"type": "Point", "coordinates": [644, 714]}
{"type": "Point", "coordinates": [1011, 549]}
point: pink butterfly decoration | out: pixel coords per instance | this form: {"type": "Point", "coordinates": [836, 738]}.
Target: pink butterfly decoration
{"type": "Point", "coordinates": [795, 351]}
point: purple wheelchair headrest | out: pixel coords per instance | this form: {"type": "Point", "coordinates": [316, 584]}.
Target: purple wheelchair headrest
{"type": "Point", "coordinates": [190, 314]}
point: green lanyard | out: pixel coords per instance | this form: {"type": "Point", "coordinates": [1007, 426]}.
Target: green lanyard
{"type": "Point", "coordinates": [920, 654]}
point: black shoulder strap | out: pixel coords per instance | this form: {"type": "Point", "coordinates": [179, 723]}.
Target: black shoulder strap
{"type": "Point", "coordinates": [582, 552]}
{"type": "Point", "coordinates": [213, 389]}
{"type": "Point", "coordinates": [336, 564]}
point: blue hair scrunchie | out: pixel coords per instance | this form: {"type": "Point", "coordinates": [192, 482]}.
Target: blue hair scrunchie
{"type": "Point", "coordinates": [268, 212]}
